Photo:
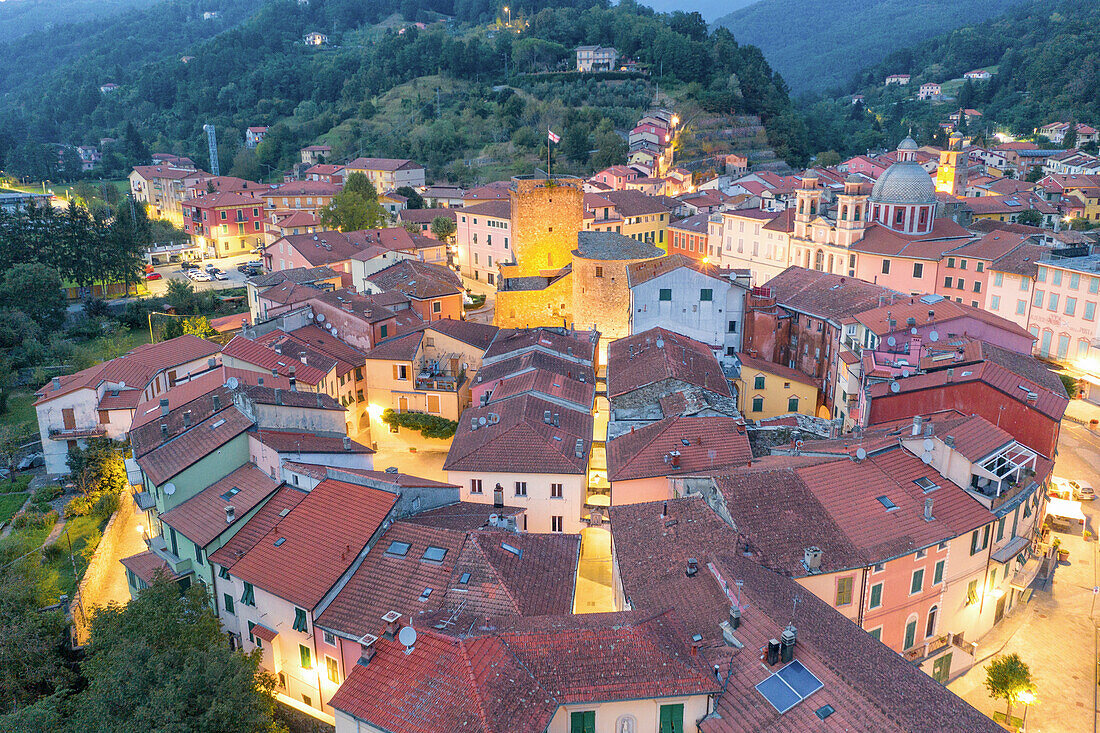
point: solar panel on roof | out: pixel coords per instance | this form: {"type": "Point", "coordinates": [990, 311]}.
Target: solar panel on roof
{"type": "Point", "coordinates": [789, 686]}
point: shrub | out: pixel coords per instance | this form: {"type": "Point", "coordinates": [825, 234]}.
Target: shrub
{"type": "Point", "coordinates": [78, 507]}
{"type": "Point", "coordinates": [49, 519]}
{"type": "Point", "coordinates": [430, 426]}
{"type": "Point", "coordinates": [105, 505]}
{"type": "Point", "coordinates": [53, 553]}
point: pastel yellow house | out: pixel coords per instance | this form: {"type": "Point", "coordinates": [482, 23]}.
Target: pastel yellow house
{"type": "Point", "coordinates": [765, 389]}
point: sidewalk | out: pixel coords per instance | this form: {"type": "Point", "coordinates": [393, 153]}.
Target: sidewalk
{"type": "Point", "coordinates": [1080, 411]}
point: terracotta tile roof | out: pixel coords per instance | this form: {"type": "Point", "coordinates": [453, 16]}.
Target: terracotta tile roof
{"type": "Point", "coordinates": [825, 295]}
{"type": "Point", "coordinates": [372, 242]}
{"type": "Point", "coordinates": [782, 223]}
{"type": "Point", "coordinates": [202, 517]}
{"type": "Point", "coordinates": [992, 225]}
{"type": "Point", "coordinates": [398, 348]}
{"type": "Point", "coordinates": [224, 199]}
{"type": "Point", "coordinates": [297, 349]}
{"type": "Point", "coordinates": [702, 444]}
{"type": "Point", "coordinates": [257, 354]}
{"type": "Point", "coordinates": [537, 581]}
{"type": "Point", "coordinates": [419, 280]}
{"type": "Point", "coordinates": [945, 236]}
{"type": "Point", "coordinates": [302, 275]}
{"type": "Point", "coordinates": [514, 675]}
{"type": "Point", "coordinates": [288, 441]}
{"type": "Point", "coordinates": [490, 191]}
{"type": "Point", "coordinates": [321, 248]}
{"type": "Point", "coordinates": [536, 360]}
{"type": "Point", "coordinates": [228, 324]}
{"type": "Point", "coordinates": [146, 565]}
{"type": "Point", "coordinates": [120, 399]}
{"type": "Point", "coordinates": [943, 311]}
{"type": "Point", "coordinates": [992, 246]}
{"type": "Point", "coordinates": [165, 171]}
{"type": "Point", "coordinates": [382, 164]}
{"type": "Point", "coordinates": [779, 370]}
{"type": "Point", "coordinates": [1025, 365]}
{"type": "Point", "coordinates": [136, 368]}
{"type": "Point", "coordinates": [194, 388]}
{"type": "Point", "coordinates": [1010, 204]}
{"type": "Point", "coordinates": [869, 686]}
{"type": "Point", "coordinates": [324, 342]}
{"type": "Point", "coordinates": [256, 528]}
{"type": "Point", "coordinates": [640, 272]}
{"type": "Point", "coordinates": [548, 384]}
{"type": "Point", "coordinates": [520, 441]}
{"type": "Point", "coordinates": [631, 202]}
{"type": "Point", "coordinates": [463, 515]}
{"type": "Point", "coordinates": [386, 480]}
{"type": "Point", "coordinates": [475, 334]}
{"type": "Point", "coordinates": [302, 188]}
{"type": "Point", "coordinates": [369, 309]}
{"type": "Point", "coordinates": [835, 505]}
{"type": "Point", "coordinates": [1021, 261]}
{"type": "Point", "coordinates": [322, 536]}
{"type": "Point", "coordinates": [497, 209]}
{"type": "Point", "coordinates": [264, 395]}
{"type": "Point", "coordinates": [696, 224]}
{"type": "Point", "coordinates": [658, 354]}
{"type": "Point", "coordinates": [196, 398]}
{"type": "Point", "coordinates": [578, 344]}
{"type": "Point", "coordinates": [181, 451]}
{"type": "Point", "coordinates": [288, 293]}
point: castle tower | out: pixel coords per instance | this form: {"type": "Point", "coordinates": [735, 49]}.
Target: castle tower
{"type": "Point", "coordinates": [851, 208]}
{"type": "Point", "coordinates": [808, 204]}
{"type": "Point", "coordinates": [547, 215]}
{"type": "Point", "coordinates": [950, 175]}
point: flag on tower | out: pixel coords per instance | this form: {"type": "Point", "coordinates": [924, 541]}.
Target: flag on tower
{"type": "Point", "coordinates": [552, 137]}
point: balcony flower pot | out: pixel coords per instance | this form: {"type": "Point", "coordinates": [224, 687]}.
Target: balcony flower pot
{"type": "Point", "coordinates": [1063, 555]}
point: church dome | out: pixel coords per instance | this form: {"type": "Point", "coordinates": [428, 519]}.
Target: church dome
{"type": "Point", "coordinates": [908, 144]}
{"type": "Point", "coordinates": [904, 183]}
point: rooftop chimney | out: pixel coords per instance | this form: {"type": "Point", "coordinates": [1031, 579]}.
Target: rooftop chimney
{"type": "Point", "coordinates": [278, 396]}
{"type": "Point", "coordinates": [347, 443]}
{"type": "Point", "coordinates": [230, 514]}
{"type": "Point", "coordinates": [260, 381]}
{"type": "Point", "coordinates": [771, 656]}
{"type": "Point", "coordinates": [916, 425]}
{"type": "Point", "coordinates": [164, 431]}
{"type": "Point", "coordinates": [275, 372]}
{"type": "Point", "coordinates": [217, 400]}
{"type": "Point", "coordinates": [187, 419]}
{"type": "Point", "coordinates": [366, 643]}
{"type": "Point", "coordinates": [56, 382]}
{"type": "Point", "coordinates": [811, 558]}
{"type": "Point", "coordinates": [212, 362]}
{"type": "Point", "coordinates": [788, 639]}
{"type": "Point", "coordinates": [692, 567]}
{"type": "Point", "coordinates": [928, 509]}
{"type": "Point", "coordinates": [949, 441]}
{"type": "Point", "coordinates": [163, 406]}
{"type": "Point", "coordinates": [294, 378]}
{"type": "Point", "coordinates": [735, 617]}
{"type": "Point", "coordinates": [392, 621]}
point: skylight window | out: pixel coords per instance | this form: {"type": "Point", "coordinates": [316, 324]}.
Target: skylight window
{"type": "Point", "coordinates": [424, 596]}
{"type": "Point", "coordinates": [926, 484]}
{"type": "Point", "coordinates": [512, 549]}
{"type": "Point", "coordinates": [218, 424]}
{"type": "Point", "coordinates": [231, 493]}
{"type": "Point", "coordinates": [885, 501]}
{"type": "Point", "coordinates": [280, 541]}
{"type": "Point", "coordinates": [464, 579]}
{"type": "Point", "coordinates": [434, 554]}
{"type": "Point", "coordinates": [398, 549]}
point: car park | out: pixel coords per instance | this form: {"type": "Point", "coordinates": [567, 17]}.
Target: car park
{"type": "Point", "coordinates": [219, 275]}
{"type": "Point", "coordinates": [200, 276]}
{"type": "Point", "coordinates": [185, 266]}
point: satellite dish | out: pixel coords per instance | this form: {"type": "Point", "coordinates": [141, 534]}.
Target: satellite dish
{"type": "Point", "coordinates": [892, 341]}
{"type": "Point", "coordinates": [860, 454]}
{"type": "Point", "coordinates": [309, 315]}
{"type": "Point", "coordinates": [934, 336]}
{"type": "Point", "coordinates": [122, 385]}
{"type": "Point", "coordinates": [232, 383]}
{"type": "Point", "coordinates": [905, 372]}
{"type": "Point", "coordinates": [895, 387]}
{"type": "Point", "coordinates": [320, 317]}
{"type": "Point", "coordinates": [927, 457]}
{"type": "Point", "coordinates": [481, 421]}
{"type": "Point", "coordinates": [334, 332]}
{"type": "Point", "coordinates": [169, 488]}
{"type": "Point", "coordinates": [407, 636]}
{"type": "Point", "coordinates": [799, 443]}
{"type": "Point", "coordinates": [913, 330]}
{"type": "Point", "coordinates": [928, 444]}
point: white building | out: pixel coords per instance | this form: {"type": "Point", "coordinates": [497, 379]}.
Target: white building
{"type": "Point", "coordinates": [596, 58]}
{"type": "Point", "coordinates": [753, 239]}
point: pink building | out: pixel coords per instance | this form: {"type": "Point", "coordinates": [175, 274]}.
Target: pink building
{"type": "Point", "coordinates": [1063, 309]}
{"type": "Point", "coordinates": [483, 239]}
{"type": "Point", "coordinates": [617, 176]}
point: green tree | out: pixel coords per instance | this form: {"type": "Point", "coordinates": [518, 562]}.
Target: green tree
{"type": "Point", "coordinates": [98, 469]}
{"type": "Point", "coordinates": [610, 147]}
{"type": "Point", "coordinates": [34, 289]}
{"type": "Point", "coordinates": [1034, 175]}
{"type": "Point", "coordinates": [415, 200]}
{"type": "Point", "coordinates": [135, 149]}
{"type": "Point", "coordinates": [181, 296]}
{"type": "Point", "coordinates": [161, 662]}
{"type": "Point", "coordinates": [198, 326]}
{"type": "Point", "coordinates": [1031, 217]}
{"type": "Point", "coordinates": [1070, 140]}
{"type": "Point", "coordinates": [827, 158]}
{"type": "Point", "coordinates": [246, 165]}
{"type": "Point", "coordinates": [443, 228]}
{"type": "Point", "coordinates": [355, 207]}
{"type": "Point", "coordinates": [574, 143]}
{"type": "Point", "coordinates": [1006, 677]}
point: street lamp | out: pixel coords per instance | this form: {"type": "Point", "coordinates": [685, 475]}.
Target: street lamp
{"type": "Point", "coordinates": [509, 12]}
{"type": "Point", "coordinates": [1026, 697]}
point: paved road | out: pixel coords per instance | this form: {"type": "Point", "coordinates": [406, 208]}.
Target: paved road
{"type": "Point", "coordinates": [1056, 632]}
{"type": "Point", "coordinates": [484, 314]}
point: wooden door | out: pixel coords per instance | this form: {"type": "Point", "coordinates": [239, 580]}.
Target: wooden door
{"type": "Point", "coordinates": [69, 417]}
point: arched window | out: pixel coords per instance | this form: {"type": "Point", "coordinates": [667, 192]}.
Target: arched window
{"type": "Point", "coordinates": [856, 210]}
{"type": "Point", "coordinates": [843, 213]}
{"type": "Point", "coordinates": [899, 216]}
{"type": "Point", "coordinates": [923, 216]}
{"type": "Point", "coordinates": [910, 632]}
{"type": "Point", "coordinates": [807, 259]}
{"type": "Point", "coordinates": [802, 206]}
{"type": "Point", "coordinates": [819, 260]}
{"type": "Point", "coordinates": [813, 207]}
{"type": "Point", "coordinates": [930, 627]}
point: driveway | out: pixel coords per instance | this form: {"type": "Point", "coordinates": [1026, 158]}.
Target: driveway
{"type": "Point", "coordinates": [1056, 633]}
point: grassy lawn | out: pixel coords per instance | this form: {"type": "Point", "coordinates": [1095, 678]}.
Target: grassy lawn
{"type": "Point", "coordinates": [19, 486]}
{"type": "Point", "coordinates": [101, 347]}
{"type": "Point", "coordinates": [21, 415]}
{"type": "Point", "coordinates": [10, 504]}
{"type": "Point", "coordinates": [81, 531]}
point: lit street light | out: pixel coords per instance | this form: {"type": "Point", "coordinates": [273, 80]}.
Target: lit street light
{"type": "Point", "coordinates": [509, 12]}
{"type": "Point", "coordinates": [1026, 697]}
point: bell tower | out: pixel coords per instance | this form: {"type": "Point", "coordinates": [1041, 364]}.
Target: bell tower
{"type": "Point", "coordinates": [950, 175]}
{"type": "Point", "coordinates": [808, 203]}
{"type": "Point", "coordinates": [851, 219]}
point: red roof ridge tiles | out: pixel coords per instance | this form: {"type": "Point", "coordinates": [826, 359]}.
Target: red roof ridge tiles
{"type": "Point", "coordinates": [658, 354]}
{"type": "Point", "coordinates": [700, 443]}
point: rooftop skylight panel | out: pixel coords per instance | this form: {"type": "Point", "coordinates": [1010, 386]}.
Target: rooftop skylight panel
{"type": "Point", "coordinates": [512, 549]}
{"type": "Point", "coordinates": [885, 501]}
{"type": "Point", "coordinates": [434, 554]}
{"type": "Point", "coordinates": [926, 484]}
{"type": "Point", "coordinates": [398, 549]}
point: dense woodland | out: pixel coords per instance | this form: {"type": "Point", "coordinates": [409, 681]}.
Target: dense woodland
{"type": "Point", "coordinates": [260, 73]}
{"type": "Point", "coordinates": [821, 45]}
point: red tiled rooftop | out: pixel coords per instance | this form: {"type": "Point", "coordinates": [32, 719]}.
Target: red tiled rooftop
{"type": "Point", "coordinates": [702, 444]}
{"type": "Point", "coordinates": [290, 441]}
{"type": "Point", "coordinates": [825, 295]}
{"type": "Point", "coordinates": [779, 370]}
{"type": "Point", "coordinates": [322, 536]}
{"type": "Point", "coordinates": [255, 353]}
{"type": "Point", "coordinates": [256, 528]}
{"type": "Point", "coordinates": [146, 565]}
{"type": "Point", "coordinates": [181, 451]}
{"type": "Point", "coordinates": [203, 517]}
{"type": "Point", "coordinates": [658, 354]}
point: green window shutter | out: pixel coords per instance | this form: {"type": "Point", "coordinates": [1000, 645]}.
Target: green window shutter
{"type": "Point", "coordinates": [706, 294]}
{"type": "Point", "coordinates": [665, 294]}
{"type": "Point", "coordinates": [223, 573]}
{"type": "Point", "coordinates": [582, 722]}
{"type": "Point", "coordinates": [938, 577]}
{"type": "Point", "coordinates": [757, 404]}
{"type": "Point", "coordinates": [876, 595]}
{"type": "Point", "coordinates": [248, 598]}
{"type": "Point", "coordinates": [306, 657]}
{"type": "Point", "coordinates": [918, 582]}
{"type": "Point", "coordinates": [228, 603]}
{"type": "Point", "coordinates": [300, 621]}
{"type": "Point", "coordinates": [758, 382]}
{"type": "Point", "coordinates": [251, 636]}
{"type": "Point", "coordinates": [910, 634]}
{"type": "Point", "coordinates": [877, 634]}
{"type": "Point", "coordinates": [672, 718]}
{"type": "Point", "coordinates": [792, 404]}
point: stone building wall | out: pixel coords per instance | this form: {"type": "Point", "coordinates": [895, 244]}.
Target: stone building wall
{"type": "Point", "coordinates": [601, 296]}
{"type": "Point", "coordinates": [546, 217]}
{"type": "Point", "coordinates": [550, 306]}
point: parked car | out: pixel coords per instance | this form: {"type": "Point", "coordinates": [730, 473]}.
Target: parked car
{"type": "Point", "coordinates": [219, 275]}
{"type": "Point", "coordinates": [187, 266]}
{"type": "Point", "coordinates": [152, 276]}
{"type": "Point", "coordinates": [200, 276]}
{"type": "Point", "coordinates": [210, 267]}
{"type": "Point", "coordinates": [1082, 490]}
{"type": "Point", "coordinates": [247, 269]}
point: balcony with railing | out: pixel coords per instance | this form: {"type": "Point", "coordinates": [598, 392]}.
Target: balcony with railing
{"type": "Point", "coordinates": [73, 433]}
{"type": "Point", "coordinates": [440, 374]}
{"type": "Point", "coordinates": [933, 647]}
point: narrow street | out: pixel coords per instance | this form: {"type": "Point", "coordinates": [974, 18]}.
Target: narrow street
{"type": "Point", "coordinates": [1056, 633]}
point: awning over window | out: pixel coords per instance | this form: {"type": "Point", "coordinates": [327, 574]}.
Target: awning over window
{"type": "Point", "coordinates": [1026, 574]}
{"type": "Point", "coordinates": [1015, 546]}
{"type": "Point", "coordinates": [264, 633]}
{"type": "Point", "coordinates": [1065, 508]}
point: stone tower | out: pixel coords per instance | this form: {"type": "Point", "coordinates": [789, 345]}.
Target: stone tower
{"type": "Point", "coordinates": [950, 175]}
{"type": "Point", "coordinates": [808, 196]}
{"type": "Point", "coordinates": [547, 215]}
{"type": "Point", "coordinates": [851, 208]}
